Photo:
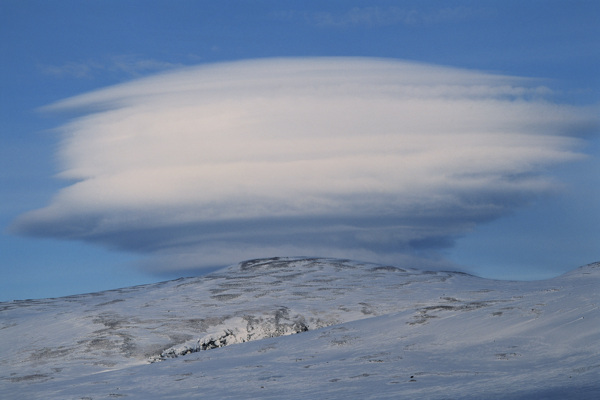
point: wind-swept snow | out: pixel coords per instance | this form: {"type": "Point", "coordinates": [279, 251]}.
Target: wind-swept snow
{"type": "Point", "coordinates": [319, 328]}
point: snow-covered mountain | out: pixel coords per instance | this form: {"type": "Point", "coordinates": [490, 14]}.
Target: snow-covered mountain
{"type": "Point", "coordinates": [296, 328]}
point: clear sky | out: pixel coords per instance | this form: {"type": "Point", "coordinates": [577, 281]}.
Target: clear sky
{"type": "Point", "coordinates": [455, 134]}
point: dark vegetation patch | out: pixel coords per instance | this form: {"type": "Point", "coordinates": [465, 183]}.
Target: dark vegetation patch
{"type": "Point", "coordinates": [32, 377]}
{"type": "Point", "coordinates": [225, 297]}
{"type": "Point", "coordinates": [387, 268]}
{"type": "Point", "coordinates": [109, 302]}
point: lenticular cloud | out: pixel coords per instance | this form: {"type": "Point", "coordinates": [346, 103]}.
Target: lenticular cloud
{"type": "Point", "coordinates": [348, 157]}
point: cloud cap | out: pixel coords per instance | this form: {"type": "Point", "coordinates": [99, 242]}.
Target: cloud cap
{"type": "Point", "coordinates": [350, 157]}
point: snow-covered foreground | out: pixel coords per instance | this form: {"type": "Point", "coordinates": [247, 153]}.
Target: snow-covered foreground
{"type": "Point", "coordinates": [310, 328]}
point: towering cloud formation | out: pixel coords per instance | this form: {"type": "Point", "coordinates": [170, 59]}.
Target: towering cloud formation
{"type": "Point", "coordinates": [349, 157]}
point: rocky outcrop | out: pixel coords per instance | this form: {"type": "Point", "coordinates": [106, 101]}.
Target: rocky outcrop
{"type": "Point", "coordinates": [240, 330]}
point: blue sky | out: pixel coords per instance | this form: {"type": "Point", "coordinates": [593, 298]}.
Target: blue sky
{"type": "Point", "coordinates": [545, 222]}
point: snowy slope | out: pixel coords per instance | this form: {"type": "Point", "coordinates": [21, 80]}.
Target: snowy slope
{"type": "Point", "coordinates": [317, 328]}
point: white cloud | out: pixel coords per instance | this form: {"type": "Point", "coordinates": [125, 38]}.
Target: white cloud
{"type": "Point", "coordinates": [130, 65]}
{"type": "Point", "coordinates": [386, 16]}
{"type": "Point", "coordinates": [211, 164]}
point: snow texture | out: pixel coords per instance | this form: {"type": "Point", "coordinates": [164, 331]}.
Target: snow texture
{"type": "Point", "coordinates": [297, 328]}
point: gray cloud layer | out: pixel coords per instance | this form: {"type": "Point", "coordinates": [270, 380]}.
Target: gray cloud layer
{"type": "Point", "coordinates": [362, 158]}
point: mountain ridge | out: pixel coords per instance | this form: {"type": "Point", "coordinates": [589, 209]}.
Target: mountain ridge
{"type": "Point", "coordinates": [48, 343]}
